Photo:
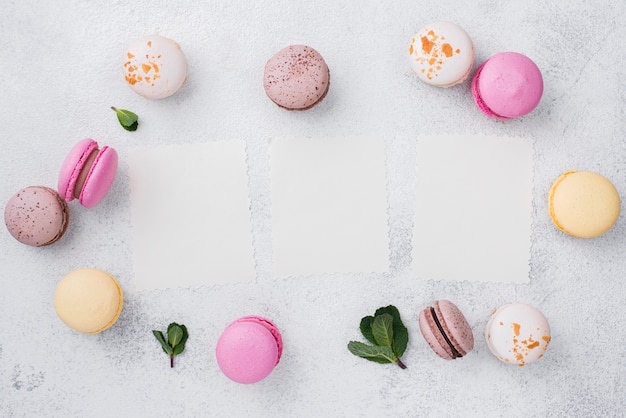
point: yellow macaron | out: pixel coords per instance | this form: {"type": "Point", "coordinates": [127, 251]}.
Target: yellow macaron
{"type": "Point", "coordinates": [583, 204]}
{"type": "Point", "coordinates": [88, 300]}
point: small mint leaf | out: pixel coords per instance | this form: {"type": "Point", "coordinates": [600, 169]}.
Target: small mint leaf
{"type": "Point", "coordinates": [128, 119]}
{"type": "Point", "coordinates": [400, 333]}
{"type": "Point", "coordinates": [174, 334]}
{"type": "Point", "coordinates": [166, 347]}
{"type": "Point", "coordinates": [382, 328]}
{"type": "Point", "coordinates": [366, 329]}
{"type": "Point", "coordinates": [374, 353]}
{"type": "Point", "coordinates": [180, 347]}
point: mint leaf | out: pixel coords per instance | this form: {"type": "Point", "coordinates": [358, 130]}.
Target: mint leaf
{"type": "Point", "coordinates": [166, 347]}
{"type": "Point", "coordinates": [176, 338]}
{"type": "Point", "coordinates": [372, 352]}
{"type": "Point", "coordinates": [388, 335]}
{"type": "Point", "coordinates": [128, 119]}
{"type": "Point", "coordinates": [174, 334]}
{"type": "Point", "coordinates": [400, 333]}
{"type": "Point", "coordinates": [382, 328]}
{"type": "Point", "coordinates": [180, 347]}
{"type": "Point", "coordinates": [366, 329]}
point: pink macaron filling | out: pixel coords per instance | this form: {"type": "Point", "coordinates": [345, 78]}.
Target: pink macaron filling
{"type": "Point", "coordinates": [507, 86]}
{"type": "Point", "coordinates": [249, 349]}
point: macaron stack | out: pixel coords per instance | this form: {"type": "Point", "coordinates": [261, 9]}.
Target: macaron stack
{"type": "Point", "coordinates": [506, 86]}
{"type": "Point", "coordinates": [297, 78]}
{"type": "Point", "coordinates": [39, 215]}
{"type": "Point", "coordinates": [517, 333]}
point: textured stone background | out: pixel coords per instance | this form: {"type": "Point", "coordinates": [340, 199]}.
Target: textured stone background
{"type": "Point", "coordinates": [61, 70]}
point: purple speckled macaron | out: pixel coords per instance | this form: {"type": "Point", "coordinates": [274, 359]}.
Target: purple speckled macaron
{"type": "Point", "coordinates": [37, 216]}
{"type": "Point", "coordinates": [296, 78]}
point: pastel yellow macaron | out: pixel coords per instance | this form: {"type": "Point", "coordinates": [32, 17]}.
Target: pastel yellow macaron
{"type": "Point", "coordinates": [583, 204]}
{"type": "Point", "coordinates": [88, 300]}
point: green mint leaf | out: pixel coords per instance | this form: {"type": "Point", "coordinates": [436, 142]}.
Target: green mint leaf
{"type": "Point", "coordinates": [128, 119]}
{"type": "Point", "coordinates": [166, 347]}
{"type": "Point", "coordinates": [174, 334]}
{"type": "Point", "coordinates": [180, 347]}
{"type": "Point", "coordinates": [382, 328]}
{"type": "Point", "coordinates": [366, 329]}
{"type": "Point", "coordinates": [374, 353]}
{"type": "Point", "coordinates": [400, 333]}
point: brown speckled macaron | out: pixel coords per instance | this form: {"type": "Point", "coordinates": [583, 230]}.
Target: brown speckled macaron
{"type": "Point", "coordinates": [37, 216]}
{"type": "Point", "coordinates": [446, 330]}
{"type": "Point", "coordinates": [296, 78]}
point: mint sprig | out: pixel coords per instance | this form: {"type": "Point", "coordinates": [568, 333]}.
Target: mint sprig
{"type": "Point", "coordinates": [128, 119]}
{"type": "Point", "coordinates": [176, 338]}
{"type": "Point", "coordinates": [388, 335]}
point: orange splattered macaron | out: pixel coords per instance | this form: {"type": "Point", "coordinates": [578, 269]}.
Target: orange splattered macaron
{"type": "Point", "coordinates": [442, 54]}
{"type": "Point", "coordinates": [518, 333]}
{"type": "Point", "coordinates": [583, 204]}
{"type": "Point", "coordinates": [155, 67]}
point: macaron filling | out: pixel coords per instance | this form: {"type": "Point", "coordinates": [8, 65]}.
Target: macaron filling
{"type": "Point", "coordinates": [85, 169]}
{"type": "Point", "coordinates": [455, 352]}
{"type": "Point", "coordinates": [74, 166]}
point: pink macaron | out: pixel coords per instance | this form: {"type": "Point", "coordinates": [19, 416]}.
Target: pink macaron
{"type": "Point", "coordinates": [296, 78]}
{"type": "Point", "coordinates": [37, 216]}
{"type": "Point", "coordinates": [446, 330]}
{"type": "Point", "coordinates": [249, 349]}
{"type": "Point", "coordinates": [87, 173]}
{"type": "Point", "coordinates": [507, 85]}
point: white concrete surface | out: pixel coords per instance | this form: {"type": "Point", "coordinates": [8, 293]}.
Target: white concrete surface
{"type": "Point", "coordinates": [61, 69]}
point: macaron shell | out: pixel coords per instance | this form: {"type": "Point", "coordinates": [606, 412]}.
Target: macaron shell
{"type": "Point", "coordinates": [88, 300]}
{"type": "Point", "coordinates": [441, 54]}
{"type": "Point", "coordinates": [100, 177]}
{"type": "Point", "coordinates": [455, 325]}
{"type": "Point", "coordinates": [270, 327]}
{"type": "Point", "coordinates": [518, 333]}
{"type": "Point", "coordinates": [296, 78]}
{"type": "Point", "coordinates": [37, 216]}
{"type": "Point", "coordinates": [155, 67]}
{"type": "Point", "coordinates": [509, 84]}
{"type": "Point", "coordinates": [583, 204]}
{"type": "Point", "coordinates": [247, 351]}
{"type": "Point", "coordinates": [433, 337]}
{"type": "Point", "coordinates": [73, 165]}
{"type": "Point", "coordinates": [478, 100]}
